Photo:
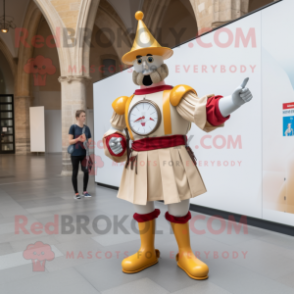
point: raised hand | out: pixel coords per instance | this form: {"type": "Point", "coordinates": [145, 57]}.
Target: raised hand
{"type": "Point", "coordinates": [240, 96]}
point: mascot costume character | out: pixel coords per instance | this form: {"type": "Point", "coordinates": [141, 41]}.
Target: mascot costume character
{"type": "Point", "coordinates": [159, 164]}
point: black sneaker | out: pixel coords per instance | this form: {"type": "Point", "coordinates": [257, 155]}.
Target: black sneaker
{"type": "Point", "coordinates": [86, 194]}
{"type": "Point", "coordinates": [77, 196]}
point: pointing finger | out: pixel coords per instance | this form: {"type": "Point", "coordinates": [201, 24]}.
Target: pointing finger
{"type": "Point", "coordinates": [245, 83]}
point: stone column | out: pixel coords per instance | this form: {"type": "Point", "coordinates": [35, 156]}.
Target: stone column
{"type": "Point", "coordinates": [71, 14]}
{"type": "Point", "coordinates": [22, 95]}
{"type": "Point", "coordinates": [22, 106]}
{"type": "Point", "coordinates": [73, 98]}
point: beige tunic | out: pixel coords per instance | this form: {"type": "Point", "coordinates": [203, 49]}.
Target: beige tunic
{"type": "Point", "coordinates": [167, 174]}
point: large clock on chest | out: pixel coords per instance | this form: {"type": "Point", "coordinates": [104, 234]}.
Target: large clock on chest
{"type": "Point", "coordinates": [144, 117]}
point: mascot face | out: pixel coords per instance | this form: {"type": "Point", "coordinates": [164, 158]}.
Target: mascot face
{"type": "Point", "coordinates": [149, 70]}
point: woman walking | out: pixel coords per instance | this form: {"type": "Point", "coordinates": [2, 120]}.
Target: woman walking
{"type": "Point", "coordinates": [78, 134]}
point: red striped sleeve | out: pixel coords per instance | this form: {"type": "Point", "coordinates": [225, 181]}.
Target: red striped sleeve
{"type": "Point", "coordinates": [214, 116]}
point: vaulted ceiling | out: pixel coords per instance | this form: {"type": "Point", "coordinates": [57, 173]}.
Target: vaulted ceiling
{"type": "Point", "coordinates": [16, 10]}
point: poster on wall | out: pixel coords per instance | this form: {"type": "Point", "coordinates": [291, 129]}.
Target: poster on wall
{"type": "Point", "coordinates": [288, 119]}
{"type": "Point", "coordinates": [278, 113]}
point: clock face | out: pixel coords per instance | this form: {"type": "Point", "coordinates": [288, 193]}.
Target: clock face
{"type": "Point", "coordinates": [144, 118]}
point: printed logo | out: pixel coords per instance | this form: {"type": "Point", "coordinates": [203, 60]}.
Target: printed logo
{"type": "Point", "coordinates": [40, 67]}
{"type": "Point", "coordinates": [39, 253]}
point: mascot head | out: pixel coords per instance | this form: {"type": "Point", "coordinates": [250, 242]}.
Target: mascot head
{"type": "Point", "coordinates": [147, 56]}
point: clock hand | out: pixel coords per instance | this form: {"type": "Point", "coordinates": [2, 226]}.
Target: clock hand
{"type": "Point", "coordinates": [139, 119]}
{"type": "Point", "coordinates": [151, 118]}
{"type": "Point", "coordinates": [143, 117]}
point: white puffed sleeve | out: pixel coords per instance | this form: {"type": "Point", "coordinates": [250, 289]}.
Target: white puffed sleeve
{"type": "Point", "coordinates": [194, 109]}
{"type": "Point", "coordinates": [117, 121]}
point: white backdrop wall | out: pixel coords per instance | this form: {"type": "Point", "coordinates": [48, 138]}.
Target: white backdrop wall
{"type": "Point", "coordinates": [230, 159]}
{"type": "Point", "coordinates": [278, 89]}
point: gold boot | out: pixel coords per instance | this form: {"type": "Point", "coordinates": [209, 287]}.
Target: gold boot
{"type": "Point", "coordinates": [147, 255]}
{"type": "Point", "coordinates": [187, 261]}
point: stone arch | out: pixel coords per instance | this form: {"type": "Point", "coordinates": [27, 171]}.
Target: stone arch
{"type": "Point", "coordinates": [32, 19]}
{"type": "Point", "coordinates": [8, 69]}
{"type": "Point", "coordinates": [103, 20]}
{"type": "Point", "coordinates": [75, 55]}
{"type": "Point", "coordinates": [178, 23]}
{"type": "Point", "coordinates": [211, 14]}
{"type": "Point", "coordinates": [7, 75]}
{"type": "Point", "coordinates": [74, 60]}
{"type": "Point", "coordinates": [56, 25]}
{"type": "Point", "coordinates": [44, 86]}
{"type": "Point", "coordinates": [6, 52]}
{"type": "Point", "coordinates": [154, 10]}
{"type": "Point", "coordinates": [23, 99]}
{"type": "Point", "coordinates": [86, 20]}
{"type": "Point", "coordinates": [155, 16]}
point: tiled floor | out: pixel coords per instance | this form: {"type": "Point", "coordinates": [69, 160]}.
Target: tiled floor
{"type": "Point", "coordinates": [89, 261]}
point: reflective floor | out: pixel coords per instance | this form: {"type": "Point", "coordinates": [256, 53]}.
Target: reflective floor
{"type": "Point", "coordinates": [51, 243]}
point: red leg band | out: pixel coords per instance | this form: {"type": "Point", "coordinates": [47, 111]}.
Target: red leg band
{"type": "Point", "coordinates": [146, 217]}
{"type": "Point", "coordinates": [178, 219]}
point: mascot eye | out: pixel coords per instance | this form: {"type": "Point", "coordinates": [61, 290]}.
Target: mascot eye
{"type": "Point", "coordinates": [150, 59]}
{"type": "Point", "coordinates": [139, 61]}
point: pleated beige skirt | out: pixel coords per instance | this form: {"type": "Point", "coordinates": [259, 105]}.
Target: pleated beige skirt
{"type": "Point", "coordinates": [167, 174]}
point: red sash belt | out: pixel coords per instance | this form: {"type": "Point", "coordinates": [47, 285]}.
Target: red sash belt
{"type": "Point", "coordinates": [148, 144]}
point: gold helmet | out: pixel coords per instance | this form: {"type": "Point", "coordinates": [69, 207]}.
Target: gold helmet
{"type": "Point", "coordinates": [145, 43]}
